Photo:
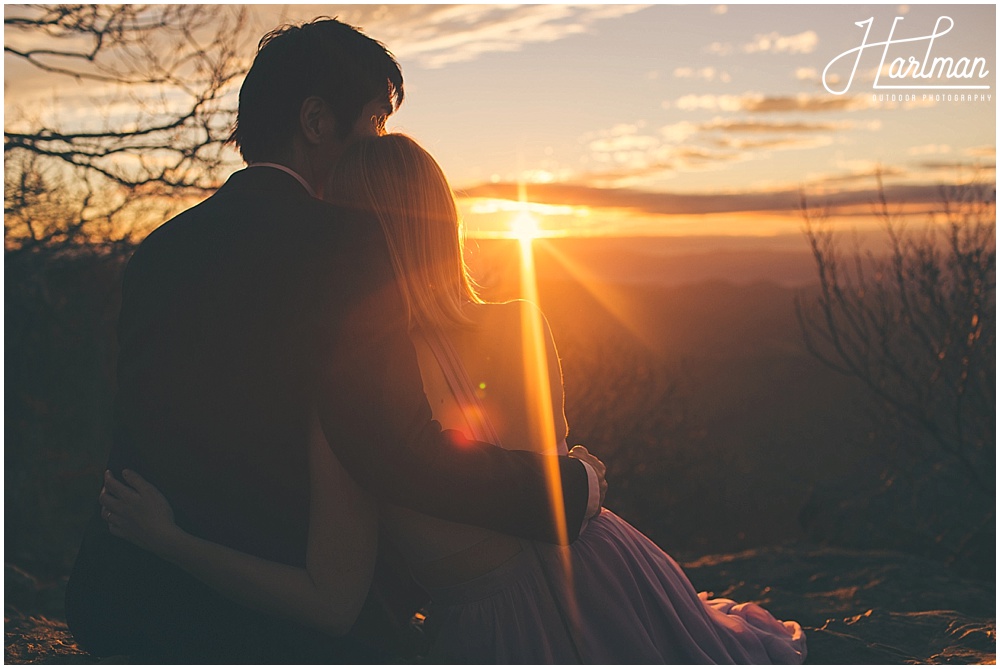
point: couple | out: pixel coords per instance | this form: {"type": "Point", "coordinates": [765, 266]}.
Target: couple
{"type": "Point", "coordinates": [289, 350]}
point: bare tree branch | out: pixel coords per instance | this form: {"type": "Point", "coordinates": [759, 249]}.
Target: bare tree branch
{"type": "Point", "coordinates": [918, 327]}
{"type": "Point", "coordinates": [175, 66]}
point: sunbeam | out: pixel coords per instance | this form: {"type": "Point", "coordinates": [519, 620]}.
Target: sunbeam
{"type": "Point", "coordinates": [612, 300]}
{"type": "Point", "coordinates": [538, 393]}
{"type": "Point", "coordinates": [536, 374]}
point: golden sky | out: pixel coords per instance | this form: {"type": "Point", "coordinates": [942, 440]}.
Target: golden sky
{"type": "Point", "coordinates": [668, 119]}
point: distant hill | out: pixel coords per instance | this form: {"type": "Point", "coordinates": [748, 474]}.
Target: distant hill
{"type": "Point", "coordinates": [669, 261]}
{"type": "Point", "coordinates": [718, 427]}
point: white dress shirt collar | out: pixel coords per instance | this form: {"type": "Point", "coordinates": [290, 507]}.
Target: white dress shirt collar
{"type": "Point", "coordinates": [287, 170]}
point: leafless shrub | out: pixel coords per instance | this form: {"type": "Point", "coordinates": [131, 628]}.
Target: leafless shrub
{"type": "Point", "coordinates": [917, 327]}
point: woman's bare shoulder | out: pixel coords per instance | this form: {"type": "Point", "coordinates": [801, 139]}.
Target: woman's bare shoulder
{"type": "Point", "coordinates": [497, 328]}
{"type": "Point", "coordinates": [500, 313]}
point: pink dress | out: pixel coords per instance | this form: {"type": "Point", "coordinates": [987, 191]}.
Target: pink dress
{"type": "Point", "coordinates": [612, 597]}
{"type": "Point", "coordinates": [633, 605]}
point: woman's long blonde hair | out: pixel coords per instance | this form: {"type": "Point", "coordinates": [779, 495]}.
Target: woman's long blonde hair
{"type": "Point", "coordinates": [394, 177]}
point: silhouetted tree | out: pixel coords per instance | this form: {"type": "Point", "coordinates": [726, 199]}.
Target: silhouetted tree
{"type": "Point", "coordinates": [917, 327]}
{"type": "Point", "coordinates": [159, 105]}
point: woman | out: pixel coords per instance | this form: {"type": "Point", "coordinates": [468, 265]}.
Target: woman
{"type": "Point", "coordinates": [611, 597]}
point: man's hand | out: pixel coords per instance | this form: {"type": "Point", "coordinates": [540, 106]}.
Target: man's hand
{"type": "Point", "coordinates": [582, 454]}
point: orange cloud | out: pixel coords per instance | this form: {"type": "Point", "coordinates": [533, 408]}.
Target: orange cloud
{"type": "Point", "coordinates": [759, 103]}
{"type": "Point", "coordinates": [771, 126]}
{"type": "Point", "coordinates": [698, 204]}
{"type": "Point", "coordinates": [803, 103]}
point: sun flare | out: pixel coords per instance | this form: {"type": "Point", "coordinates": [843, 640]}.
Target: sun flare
{"type": "Point", "coordinates": [538, 391]}
{"type": "Point", "coordinates": [525, 227]}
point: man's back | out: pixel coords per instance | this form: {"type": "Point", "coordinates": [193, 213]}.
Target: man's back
{"type": "Point", "coordinates": [218, 335]}
{"type": "Point", "coordinates": [214, 337]}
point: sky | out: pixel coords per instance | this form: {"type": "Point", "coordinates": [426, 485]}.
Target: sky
{"type": "Point", "coordinates": [681, 119]}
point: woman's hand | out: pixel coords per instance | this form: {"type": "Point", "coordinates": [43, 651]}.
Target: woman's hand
{"type": "Point", "coordinates": [137, 512]}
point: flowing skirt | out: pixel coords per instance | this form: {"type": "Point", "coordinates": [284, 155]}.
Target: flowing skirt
{"type": "Point", "coordinates": [613, 597]}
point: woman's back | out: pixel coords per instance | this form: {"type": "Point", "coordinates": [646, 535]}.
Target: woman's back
{"type": "Point", "coordinates": [493, 353]}
{"type": "Point", "coordinates": [612, 596]}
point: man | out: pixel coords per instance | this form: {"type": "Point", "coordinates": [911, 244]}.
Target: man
{"type": "Point", "coordinates": [241, 317]}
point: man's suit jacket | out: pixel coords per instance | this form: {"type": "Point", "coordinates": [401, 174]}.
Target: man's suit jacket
{"type": "Point", "coordinates": [239, 317]}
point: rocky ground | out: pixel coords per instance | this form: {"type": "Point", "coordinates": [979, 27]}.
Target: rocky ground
{"type": "Point", "coordinates": [34, 623]}
{"type": "Point", "coordinates": [862, 607]}
{"type": "Point", "coordinates": [857, 607]}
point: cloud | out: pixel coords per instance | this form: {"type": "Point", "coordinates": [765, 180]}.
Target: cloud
{"type": "Point", "coordinates": [863, 171]}
{"type": "Point", "coordinates": [710, 102]}
{"type": "Point", "coordinates": [806, 74]}
{"type": "Point", "coordinates": [437, 35]}
{"type": "Point", "coordinates": [625, 129]}
{"type": "Point", "coordinates": [774, 143]}
{"type": "Point", "coordinates": [774, 43]}
{"type": "Point", "coordinates": [678, 132]}
{"type": "Point", "coordinates": [649, 202]}
{"type": "Point", "coordinates": [956, 165]}
{"type": "Point", "coordinates": [624, 177]}
{"type": "Point", "coordinates": [925, 149]}
{"type": "Point", "coordinates": [693, 155]}
{"type": "Point", "coordinates": [705, 73]}
{"type": "Point", "coordinates": [773, 126]}
{"type": "Point", "coordinates": [757, 102]}
{"type": "Point", "coordinates": [769, 135]}
{"type": "Point", "coordinates": [802, 103]}
{"type": "Point", "coordinates": [720, 48]}
{"type": "Point", "coordinates": [623, 143]}
{"type": "Point", "coordinates": [626, 152]}
{"type": "Point", "coordinates": [638, 200]}
{"type": "Point", "coordinates": [981, 151]}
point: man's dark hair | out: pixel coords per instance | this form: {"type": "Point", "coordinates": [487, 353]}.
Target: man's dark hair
{"type": "Point", "coordinates": [325, 58]}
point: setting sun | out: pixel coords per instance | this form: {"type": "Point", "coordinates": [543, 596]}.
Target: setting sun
{"type": "Point", "coordinates": [525, 227]}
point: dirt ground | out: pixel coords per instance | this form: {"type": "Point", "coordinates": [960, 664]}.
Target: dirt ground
{"type": "Point", "coordinates": [857, 607]}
